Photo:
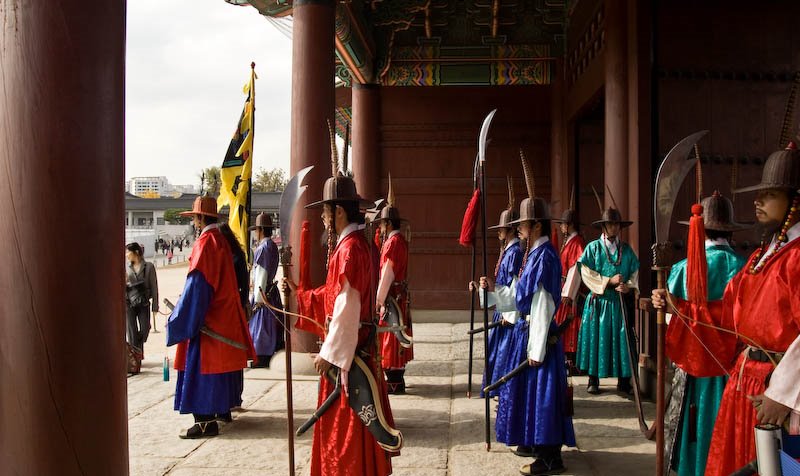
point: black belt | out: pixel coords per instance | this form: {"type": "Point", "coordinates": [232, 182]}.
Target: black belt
{"type": "Point", "coordinates": [764, 356]}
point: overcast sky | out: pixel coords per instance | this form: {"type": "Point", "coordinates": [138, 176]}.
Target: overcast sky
{"type": "Point", "coordinates": [187, 61]}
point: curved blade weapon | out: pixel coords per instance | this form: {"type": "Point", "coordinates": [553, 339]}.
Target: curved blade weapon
{"type": "Point", "coordinates": [482, 143]}
{"type": "Point", "coordinates": [671, 174]}
{"type": "Point", "coordinates": [289, 198]}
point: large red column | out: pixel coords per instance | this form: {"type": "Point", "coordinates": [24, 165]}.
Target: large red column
{"type": "Point", "coordinates": [366, 135]}
{"type": "Point", "coordinates": [559, 168]}
{"type": "Point", "coordinates": [63, 394]}
{"type": "Point", "coordinates": [616, 104]}
{"type": "Point", "coordinates": [312, 105]}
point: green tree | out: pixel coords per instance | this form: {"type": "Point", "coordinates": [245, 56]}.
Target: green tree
{"type": "Point", "coordinates": [210, 181]}
{"type": "Point", "coordinates": [171, 216]}
{"type": "Point", "coordinates": [274, 180]}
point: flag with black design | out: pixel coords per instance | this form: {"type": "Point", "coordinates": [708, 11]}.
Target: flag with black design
{"type": "Point", "coordinates": [237, 168]}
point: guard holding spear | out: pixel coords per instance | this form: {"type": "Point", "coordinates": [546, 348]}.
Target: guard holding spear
{"type": "Point", "coordinates": [532, 411]}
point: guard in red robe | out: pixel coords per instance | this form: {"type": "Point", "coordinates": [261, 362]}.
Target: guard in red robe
{"type": "Point", "coordinates": [396, 347]}
{"type": "Point", "coordinates": [210, 329]}
{"type": "Point", "coordinates": [342, 444]}
{"type": "Point", "coordinates": [571, 251]}
{"type": "Point", "coordinates": [761, 305]}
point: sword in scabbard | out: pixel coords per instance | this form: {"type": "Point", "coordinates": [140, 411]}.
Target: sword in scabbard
{"type": "Point", "coordinates": [491, 326]}
{"type": "Point", "coordinates": [210, 333]}
{"type": "Point", "coordinates": [552, 338]}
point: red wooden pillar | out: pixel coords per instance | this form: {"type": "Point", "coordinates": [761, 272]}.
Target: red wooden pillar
{"type": "Point", "coordinates": [366, 136]}
{"type": "Point", "coordinates": [616, 98]}
{"type": "Point", "coordinates": [312, 105]}
{"type": "Point", "coordinates": [561, 185]}
{"type": "Point", "coordinates": [63, 399]}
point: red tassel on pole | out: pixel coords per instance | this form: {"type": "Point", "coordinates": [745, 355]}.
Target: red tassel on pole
{"type": "Point", "coordinates": [470, 222]}
{"type": "Point", "coordinates": [696, 264]}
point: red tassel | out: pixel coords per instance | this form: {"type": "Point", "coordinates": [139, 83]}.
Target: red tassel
{"type": "Point", "coordinates": [554, 232]}
{"type": "Point", "coordinates": [377, 238]}
{"type": "Point", "coordinates": [470, 222]}
{"type": "Point", "coordinates": [305, 256]}
{"type": "Point", "coordinates": [696, 264]}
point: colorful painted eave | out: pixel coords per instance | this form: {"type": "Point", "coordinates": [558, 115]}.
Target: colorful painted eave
{"type": "Point", "coordinates": [360, 61]}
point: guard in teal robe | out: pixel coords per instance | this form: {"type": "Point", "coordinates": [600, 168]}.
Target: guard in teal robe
{"type": "Point", "coordinates": [695, 400]}
{"type": "Point", "coordinates": [609, 268]}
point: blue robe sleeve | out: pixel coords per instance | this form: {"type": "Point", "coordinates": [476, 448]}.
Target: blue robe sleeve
{"type": "Point", "coordinates": [189, 315]}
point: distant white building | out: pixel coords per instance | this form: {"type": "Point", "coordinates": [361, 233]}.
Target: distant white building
{"type": "Point", "coordinates": [156, 186]}
{"type": "Point", "coordinates": [141, 186]}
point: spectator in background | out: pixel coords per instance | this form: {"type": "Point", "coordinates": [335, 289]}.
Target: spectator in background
{"type": "Point", "coordinates": [141, 297]}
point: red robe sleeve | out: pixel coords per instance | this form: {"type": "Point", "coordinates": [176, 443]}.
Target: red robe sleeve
{"type": "Point", "coordinates": [696, 348]}
{"type": "Point", "coordinates": [311, 303]}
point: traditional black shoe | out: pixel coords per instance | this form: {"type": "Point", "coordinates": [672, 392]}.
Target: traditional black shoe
{"type": "Point", "coordinates": [396, 388]}
{"type": "Point", "coordinates": [226, 417]}
{"type": "Point", "coordinates": [593, 389]}
{"type": "Point", "coordinates": [524, 451]}
{"type": "Point", "coordinates": [201, 429]}
{"type": "Point", "coordinates": [262, 362]}
{"type": "Point", "coordinates": [625, 388]}
{"type": "Point", "coordinates": [540, 468]}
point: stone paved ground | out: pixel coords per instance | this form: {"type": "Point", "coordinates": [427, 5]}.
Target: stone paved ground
{"type": "Point", "coordinates": [443, 430]}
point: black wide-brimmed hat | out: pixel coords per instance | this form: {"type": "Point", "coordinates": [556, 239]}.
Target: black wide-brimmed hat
{"type": "Point", "coordinates": [340, 187]}
{"type": "Point", "coordinates": [781, 170]}
{"type": "Point", "coordinates": [390, 211]}
{"type": "Point", "coordinates": [508, 215]}
{"type": "Point", "coordinates": [263, 220]}
{"type": "Point", "coordinates": [610, 214]}
{"type": "Point", "coordinates": [718, 214]}
{"type": "Point", "coordinates": [569, 216]}
{"type": "Point", "coordinates": [531, 208]}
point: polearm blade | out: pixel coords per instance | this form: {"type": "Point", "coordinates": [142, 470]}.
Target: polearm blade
{"type": "Point", "coordinates": [482, 143]}
{"type": "Point", "coordinates": [475, 176]}
{"type": "Point", "coordinates": [289, 198]}
{"type": "Point", "coordinates": [671, 174]}
{"type": "Point", "coordinates": [670, 177]}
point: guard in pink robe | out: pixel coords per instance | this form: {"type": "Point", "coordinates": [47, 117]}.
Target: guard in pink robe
{"type": "Point", "coordinates": [342, 444]}
{"type": "Point", "coordinates": [393, 284]}
{"type": "Point", "coordinates": [761, 304]}
{"type": "Point", "coordinates": [571, 251]}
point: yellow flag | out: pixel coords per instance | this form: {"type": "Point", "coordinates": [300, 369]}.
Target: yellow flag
{"type": "Point", "coordinates": [237, 168]}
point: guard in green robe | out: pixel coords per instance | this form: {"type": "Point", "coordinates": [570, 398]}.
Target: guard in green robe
{"type": "Point", "coordinates": [695, 400]}
{"type": "Point", "coordinates": [610, 269]}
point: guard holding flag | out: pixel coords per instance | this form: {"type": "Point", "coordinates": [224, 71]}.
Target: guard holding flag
{"type": "Point", "coordinates": [209, 327]}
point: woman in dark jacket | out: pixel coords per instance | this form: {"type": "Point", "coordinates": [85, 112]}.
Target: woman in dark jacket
{"type": "Point", "coordinates": [141, 297]}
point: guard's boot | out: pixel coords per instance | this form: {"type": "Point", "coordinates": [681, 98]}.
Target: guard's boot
{"type": "Point", "coordinates": [205, 426]}
{"type": "Point", "coordinates": [594, 385]}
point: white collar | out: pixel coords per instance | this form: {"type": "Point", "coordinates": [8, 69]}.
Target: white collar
{"type": "Point", "coordinates": [350, 228]}
{"type": "Point", "coordinates": [791, 235]}
{"type": "Point", "coordinates": [717, 242]}
{"type": "Point", "coordinates": [392, 233]}
{"type": "Point", "coordinates": [793, 232]}
{"type": "Point", "coordinates": [514, 241]}
{"type": "Point", "coordinates": [539, 242]}
{"type": "Point", "coordinates": [210, 227]}
{"type": "Point", "coordinates": [571, 236]}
